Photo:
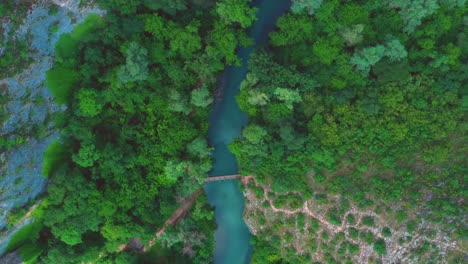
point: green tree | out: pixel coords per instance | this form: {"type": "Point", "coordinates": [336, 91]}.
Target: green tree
{"type": "Point", "coordinates": [199, 148]}
{"type": "Point", "coordinates": [293, 29]}
{"type": "Point", "coordinates": [136, 66]}
{"type": "Point", "coordinates": [168, 6]}
{"type": "Point", "coordinates": [395, 50]}
{"type": "Point", "coordinates": [326, 50]}
{"type": "Point", "coordinates": [185, 41]}
{"type": "Point", "coordinates": [89, 102]}
{"type": "Point", "coordinates": [172, 171]}
{"type": "Point", "coordinates": [308, 5]}
{"type": "Point", "coordinates": [367, 57]}
{"type": "Point", "coordinates": [413, 11]}
{"type": "Point", "coordinates": [380, 247]}
{"type": "Point", "coordinates": [287, 96]}
{"type": "Point", "coordinates": [177, 103]}
{"type": "Point", "coordinates": [236, 11]}
{"type": "Point", "coordinates": [86, 156]}
{"type": "Point", "coordinates": [201, 97]}
{"type": "Point", "coordinates": [254, 134]}
{"type": "Point", "coordinates": [352, 35]}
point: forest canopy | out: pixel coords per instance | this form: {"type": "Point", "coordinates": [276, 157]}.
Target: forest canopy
{"type": "Point", "coordinates": [138, 84]}
{"type": "Point", "coordinates": [363, 99]}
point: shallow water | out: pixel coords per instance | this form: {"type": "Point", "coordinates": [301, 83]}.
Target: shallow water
{"type": "Point", "coordinates": [226, 121]}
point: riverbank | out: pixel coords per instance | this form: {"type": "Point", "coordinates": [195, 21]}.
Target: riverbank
{"type": "Point", "coordinates": [30, 108]}
{"type": "Point", "coordinates": [226, 121]}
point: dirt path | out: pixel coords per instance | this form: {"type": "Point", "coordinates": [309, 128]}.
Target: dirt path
{"type": "Point", "coordinates": [180, 212]}
{"type": "Point", "coordinates": [395, 252]}
{"type": "Point", "coordinates": [175, 218]}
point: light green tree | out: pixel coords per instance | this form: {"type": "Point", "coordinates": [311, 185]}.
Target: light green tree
{"type": "Point", "coordinates": [258, 98]}
{"type": "Point", "coordinates": [308, 5]}
{"type": "Point", "coordinates": [173, 170]}
{"type": "Point", "coordinates": [413, 11]}
{"type": "Point", "coordinates": [254, 134]}
{"type": "Point", "coordinates": [86, 156]}
{"type": "Point", "coordinates": [367, 57]}
{"type": "Point", "coordinates": [199, 148]}
{"type": "Point", "coordinates": [177, 103]}
{"type": "Point", "coordinates": [168, 6]}
{"type": "Point", "coordinates": [186, 41]}
{"type": "Point", "coordinates": [325, 50]}
{"type": "Point", "coordinates": [236, 11]}
{"type": "Point", "coordinates": [89, 102]}
{"type": "Point", "coordinates": [201, 97]}
{"type": "Point", "coordinates": [352, 35]}
{"type": "Point", "coordinates": [289, 97]}
{"type": "Point", "coordinates": [136, 65]}
{"type": "Point", "coordinates": [395, 50]}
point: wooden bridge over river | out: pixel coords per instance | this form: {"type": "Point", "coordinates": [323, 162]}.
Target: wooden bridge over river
{"type": "Point", "coordinates": [223, 177]}
{"type": "Point", "coordinates": [188, 203]}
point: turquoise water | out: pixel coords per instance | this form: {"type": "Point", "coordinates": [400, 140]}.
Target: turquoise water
{"type": "Point", "coordinates": [225, 123]}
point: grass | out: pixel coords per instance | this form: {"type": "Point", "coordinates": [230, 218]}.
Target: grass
{"type": "Point", "coordinates": [25, 240]}
{"type": "Point", "coordinates": [61, 79]}
{"type": "Point", "coordinates": [27, 234]}
{"type": "Point", "coordinates": [66, 46]}
{"type": "Point", "coordinates": [29, 252]}
{"type": "Point", "coordinates": [53, 156]}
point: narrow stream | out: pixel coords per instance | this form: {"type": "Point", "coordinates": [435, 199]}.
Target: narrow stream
{"type": "Point", "coordinates": [226, 121]}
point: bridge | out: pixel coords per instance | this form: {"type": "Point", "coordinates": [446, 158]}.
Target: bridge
{"type": "Point", "coordinates": [223, 177]}
{"type": "Point", "coordinates": [184, 208]}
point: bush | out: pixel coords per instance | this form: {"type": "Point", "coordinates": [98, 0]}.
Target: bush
{"type": "Point", "coordinates": [53, 156]}
{"type": "Point", "coordinates": [314, 224]}
{"type": "Point", "coordinates": [29, 252]}
{"type": "Point", "coordinates": [368, 237]}
{"type": "Point", "coordinates": [368, 221]}
{"type": "Point", "coordinates": [334, 217]}
{"type": "Point", "coordinates": [300, 220]}
{"type": "Point", "coordinates": [28, 233]}
{"type": "Point", "coordinates": [386, 232]}
{"type": "Point", "coordinates": [61, 81]}
{"type": "Point", "coordinates": [353, 249]}
{"type": "Point", "coordinates": [353, 233]}
{"type": "Point", "coordinates": [380, 247]}
{"type": "Point", "coordinates": [411, 226]}
{"type": "Point", "coordinates": [351, 219]}
{"type": "Point", "coordinates": [324, 235]}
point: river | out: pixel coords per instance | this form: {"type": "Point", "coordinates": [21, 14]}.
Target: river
{"type": "Point", "coordinates": [225, 123]}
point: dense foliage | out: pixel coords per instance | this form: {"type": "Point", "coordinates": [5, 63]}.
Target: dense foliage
{"type": "Point", "coordinates": [138, 85]}
{"type": "Point", "coordinates": [364, 99]}
{"type": "Point", "coordinates": [13, 51]}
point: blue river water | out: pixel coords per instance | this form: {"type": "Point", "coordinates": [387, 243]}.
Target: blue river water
{"type": "Point", "coordinates": [225, 123]}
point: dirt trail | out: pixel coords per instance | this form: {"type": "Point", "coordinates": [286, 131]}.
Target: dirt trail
{"type": "Point", "coordinates": [180, 212]}
{"type": "Point", "coordinates": [395, 252]}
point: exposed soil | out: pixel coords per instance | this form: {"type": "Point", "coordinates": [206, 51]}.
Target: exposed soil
{"type": "Point", "coordinates": [397, 251]}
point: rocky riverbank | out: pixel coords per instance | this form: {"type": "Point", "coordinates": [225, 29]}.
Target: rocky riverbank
{"type": "Point", "coordinates": [26, 125]}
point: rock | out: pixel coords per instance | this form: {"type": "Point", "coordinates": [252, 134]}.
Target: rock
{"type": "Point", "coordinates": [135, 244]}
{"type": "Point", "coordinates": [30, 102]}
{"type": "Point", "coordinates": [11, 258]}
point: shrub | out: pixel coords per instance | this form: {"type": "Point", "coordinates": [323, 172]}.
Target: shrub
{"type": "Point", "coordinates": [411, 226]}
{"type": "Point", "coordinates": [386, 232]}
{"type": "Point", "coordinates": [353, 232]}
{"type": "Point", "coordinates": [380, 247]}
{"type": "Point", "coordinates": [368, 220]}
{"type": "Point", "coordinates": [53, 156]}
{"type": "Point", "coordinates": [61, 81]}
{"type": "Point", "coordinates": [351, 219]}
